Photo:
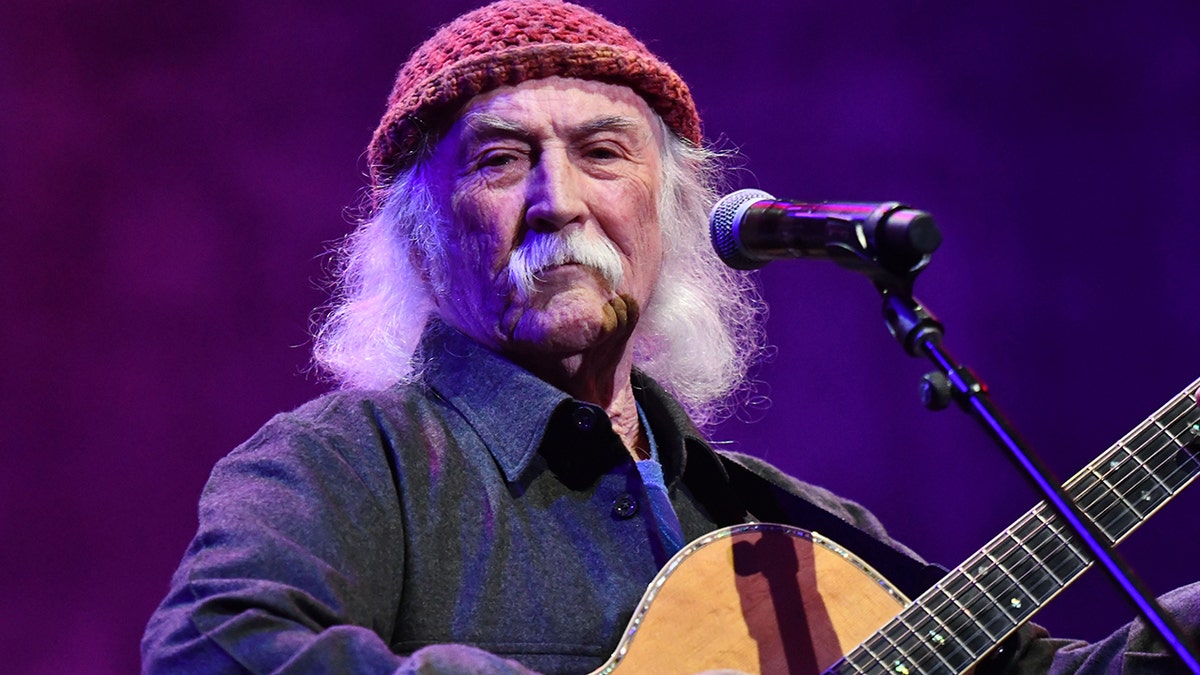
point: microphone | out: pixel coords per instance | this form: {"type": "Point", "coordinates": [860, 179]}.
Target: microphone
{"type": "Point", "coordinates": [750, 228]}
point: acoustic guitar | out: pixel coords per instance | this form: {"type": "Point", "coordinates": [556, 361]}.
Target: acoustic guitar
{"type": "Point", "coordinates": [763, 598]}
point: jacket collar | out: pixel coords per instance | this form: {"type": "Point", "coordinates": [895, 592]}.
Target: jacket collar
{"type": "Point", "coordinates": [679, 441]}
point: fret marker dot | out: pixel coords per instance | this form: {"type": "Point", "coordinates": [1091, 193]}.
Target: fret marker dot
{"type": "Point", "coordinates": [1015, 603]}
{"type": "Point", "coordinates": [1146, 496]}
{"type": "Point", "coordinates": [1114, 464]}
{"type": "Point", "coordinates": [937, 638]}
{"type": "Point", "coordinates": [900, 668]}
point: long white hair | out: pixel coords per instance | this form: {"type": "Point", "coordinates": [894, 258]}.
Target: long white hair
{"type": "Point", "coordinates": [700, 333]}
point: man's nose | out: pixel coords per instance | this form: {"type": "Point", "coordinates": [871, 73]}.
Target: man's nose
{"type": "Point", "coordinates": [555, 193]}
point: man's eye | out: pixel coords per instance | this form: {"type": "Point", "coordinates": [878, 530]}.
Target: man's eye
{"type": "Point", "coordinates": [497, 159]}
{"type": "Point", "coordinates": [602, 152]}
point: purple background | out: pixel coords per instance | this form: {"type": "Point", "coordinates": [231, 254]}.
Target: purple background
{"type": "Point", "coordinates": [170, 174]}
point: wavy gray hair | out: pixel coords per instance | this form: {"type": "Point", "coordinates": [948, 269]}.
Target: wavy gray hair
{"type": "Point", "coordinates": [699, 335]}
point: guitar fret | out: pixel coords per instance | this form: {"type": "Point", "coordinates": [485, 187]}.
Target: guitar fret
{"type": "Point", "coordinates": [1184, 463]}
{"type": "Point", "coordinates": [1057, 554]}
{"type": "Point", "coordinates": [1117, 493]}
{"type": "Point", "coordinates": [962, 615]}
{"type": "Point", "coordinates": [1054, 552]}
{"type": "Point", "coordinates": [1098, 500]}
{"type": "Point", "coordinates": [1132, 486]}
{"type": "Point", "coordinates": [984, 579]}
{"type": "Point", "coordinates": [933, 640]}
{"type": "Point", "coordinates": [900, 659]}
{"type": "Point", "coordinates": [1118, 515]}
{"type": "Point", "coordinates": [865, 661]}
{"type": "Point", "coordinates": [1067, 559]}
{"type": "Point", "coordinates": [1178, 426]}
{"type": "Point", "coordinates": [1184, 424]}
{"type": "Point", "coordinates": [1050, 524]}
{"type": "Point", "coordinates": [1180, 458]}
{"type": "Point", "coordinates": [1007, 590]}
{"type": "Point", "coordinates": [1049, 553]}
{"type": "Point", "coordinates": [922, 648]}
{"type": "Point", "coordinates": [990, 616]}
{"type": "Point", "coordinates": [1037, 581]}
{"type": "Point", "coordinates": [1146, 467]}
{"type": "Point", "coordinates": [905, 644]}
{"type": "Point", "coordinates": [1103, 500]}
{"type": "Point", "coordinates": [873, 650]}
{"type": "Point", "coordinates": [950, 644]}
{"type": "Point", "coordinates": [1181, 416]}
{"type": "Point", "coordinates": [1142, 437]}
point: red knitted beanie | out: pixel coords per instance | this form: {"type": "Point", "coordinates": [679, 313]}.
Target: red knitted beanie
{"type": "Point", "coordinates": [509, 42]}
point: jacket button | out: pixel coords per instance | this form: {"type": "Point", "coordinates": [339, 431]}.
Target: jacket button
{"type": "Point", "coordinates": [625, 506]}
{"type": "Point", "coordinates": [584, 418]}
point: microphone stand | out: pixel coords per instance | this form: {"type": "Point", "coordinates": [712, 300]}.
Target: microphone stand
{"type": "Point", "coordinates": [921, 334]}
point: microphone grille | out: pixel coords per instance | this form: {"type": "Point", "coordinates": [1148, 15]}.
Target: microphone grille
{"type": "Point", "coordinates": [722, 227]}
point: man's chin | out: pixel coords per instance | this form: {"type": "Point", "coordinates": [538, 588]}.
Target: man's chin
{"type": "Point", "coordinates": [537, 332]}
{"type": "Point", "coordinates": [569, 324]}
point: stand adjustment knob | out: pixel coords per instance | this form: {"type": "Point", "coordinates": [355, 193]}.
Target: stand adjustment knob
{"type": "Point", "coordinates": [935, 390]}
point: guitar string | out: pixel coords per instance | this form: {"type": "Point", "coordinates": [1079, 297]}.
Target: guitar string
{"type": "Point", "coordinates": [1167, 441]}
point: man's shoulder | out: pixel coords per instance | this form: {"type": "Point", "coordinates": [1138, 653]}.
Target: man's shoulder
{"type": "Point", "coordinates": [339, 406]}
{"type": "Point", "coordinates": [346, 418]}
{"type": "Point", "coordinates": [348, 433]}
{"type": "Point", "coordinates": [820, 496]}
{"type": "Point", "coordinates": [841, 508]}
{"type": "Point", "coordinates": [846, 509]}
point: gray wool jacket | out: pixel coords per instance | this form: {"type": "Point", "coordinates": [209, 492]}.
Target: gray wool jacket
{"type": "Point", "coordinates": [483, 507]}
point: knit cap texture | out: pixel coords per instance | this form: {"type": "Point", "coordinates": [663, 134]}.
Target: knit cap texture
{"type": "Point", "coordinates": [509, 42]}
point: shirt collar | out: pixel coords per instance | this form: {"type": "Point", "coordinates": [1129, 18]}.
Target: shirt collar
{"type": "Point", "coordinates": [506, 405]}
{"type": "Point", "coordinates": [679, 441]}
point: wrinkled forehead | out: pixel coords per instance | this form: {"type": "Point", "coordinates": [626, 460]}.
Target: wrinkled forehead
{"type": "Point", "coordinates": [558, 108]}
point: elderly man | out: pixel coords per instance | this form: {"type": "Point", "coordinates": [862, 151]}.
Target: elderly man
{"type": "Point", "coordinates": [530, 324]}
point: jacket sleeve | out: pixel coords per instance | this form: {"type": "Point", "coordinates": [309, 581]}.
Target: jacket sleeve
{"type": "Point", "coordinates": [1133, 648]}
{"type": "Point", "coordinates": [298, 564]}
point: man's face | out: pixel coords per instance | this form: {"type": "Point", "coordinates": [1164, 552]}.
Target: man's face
{"type": "Point", "coordinates": [560, 177]}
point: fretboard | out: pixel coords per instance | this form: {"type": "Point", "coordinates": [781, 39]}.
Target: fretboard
{"type": "Point", "coordinates": [985, 599]}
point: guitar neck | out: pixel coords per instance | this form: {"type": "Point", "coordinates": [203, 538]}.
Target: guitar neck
{"type": "Point", "coordinates": [985, 599]}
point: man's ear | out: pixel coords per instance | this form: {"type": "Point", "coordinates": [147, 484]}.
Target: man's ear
{"type": "Point", "coordinates": [418, 258]}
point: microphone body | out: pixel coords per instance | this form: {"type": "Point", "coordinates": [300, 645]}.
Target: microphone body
{"type": "Point", "coordinates": [750, 228]}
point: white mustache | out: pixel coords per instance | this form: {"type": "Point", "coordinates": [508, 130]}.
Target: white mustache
{"type": "Point", "coordinates": [542, 250]}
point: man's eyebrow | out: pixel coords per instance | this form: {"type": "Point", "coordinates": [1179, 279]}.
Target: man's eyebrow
{"type": "Point", "coordinates": [602, 124]}
{"type": "Point", "coordinates": [486, 126]}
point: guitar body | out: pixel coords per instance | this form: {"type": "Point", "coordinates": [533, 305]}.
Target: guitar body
{"type": "Point", "coordinates": [764, 598]}
{"type": "Point", "coordinates": [759, 598]}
